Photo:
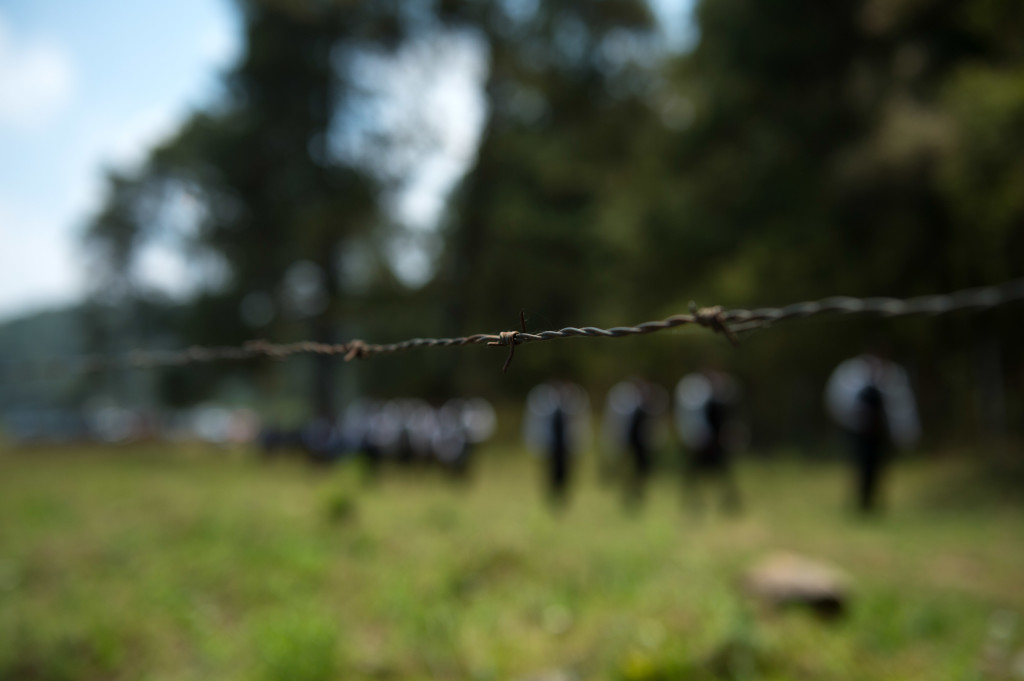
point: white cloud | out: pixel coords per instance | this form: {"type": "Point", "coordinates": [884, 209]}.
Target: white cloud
{"type": "Point", "coordinates": [422, 201]}
{"type": "Point", "coordinates": [165, 269]}
{"type": "Point", "coordinates": [41, 270]}
{"type": "Point", "coordinates": [677, 22]}
{"type": "Point", "coordinates": [429, 97]}
{"type": "Point", "coordinates": [36, 80]}
{"type": "Point", "coordinates": [118, 145]}
{"type": "Point", "coordinates": [71, 107]}
{"type": "Point", "coordinates": [218, 44]}
{"type": "Point", "coordinates": [127, 145]}
{"type": "Point", "coordinates": [41, 262]}
{"type": "Point", "coordinates": [428, 101]}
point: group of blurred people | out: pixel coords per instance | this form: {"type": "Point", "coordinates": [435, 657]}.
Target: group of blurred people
{"type": "Point", "coordinates": [111, 423]}
{"type": "Point", "coordinates": [405, 431]}
{"type": "Point", "coordinates": [556, 425]}
{"type": "Point", "coordinates": [869, 397]}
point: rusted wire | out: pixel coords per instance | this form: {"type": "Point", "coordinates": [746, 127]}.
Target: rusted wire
{"type": "Point", "coordinates": [730, 323]}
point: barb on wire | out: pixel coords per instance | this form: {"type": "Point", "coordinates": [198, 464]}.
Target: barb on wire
{"type": "Point", "coordinates": [713, 318]}
{"type": "Point", "coordinates": [729, 323]}
{"type": "Point", "coordinates": [509, 338]}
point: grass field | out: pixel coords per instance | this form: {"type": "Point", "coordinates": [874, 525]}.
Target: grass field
{"type": "Point", "coordinates": [156, 563]}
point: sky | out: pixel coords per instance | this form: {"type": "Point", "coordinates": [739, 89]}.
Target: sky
{"type": "Point", "coordinates": [90, 86]}
{"type": "Point", "coordinates": [86, 86]}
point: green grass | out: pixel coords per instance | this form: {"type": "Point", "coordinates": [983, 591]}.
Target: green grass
{"type": "Point", "coordinates": [159, 563]}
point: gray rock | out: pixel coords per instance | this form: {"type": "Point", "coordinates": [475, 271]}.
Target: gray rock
{"type": "Point", "coordinates": [783, 580]}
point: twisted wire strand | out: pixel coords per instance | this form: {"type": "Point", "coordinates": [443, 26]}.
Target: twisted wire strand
{"type": "Point", "coordinates": [727, 322]}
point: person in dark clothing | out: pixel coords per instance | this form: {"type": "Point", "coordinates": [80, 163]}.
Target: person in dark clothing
{"type": "Point", "coordinates": [555, 423]}
{"type": "Point", "coordinates": [405, 455]}
{"type": "Point", "coordinates": [357, 429]}
{"type": "Point", "coordinates": [460, 425]}
{"type": "Point", "coordinates": [370, 455]}
{"type": "Point", "coordinates": [322, 442]}
{"type": "Point", "coordinates": [638, 436]}
{"type": "Point", "coordinates": [872, 400]}
{"type": "Point", "coordinates": [630, 418]}
{"type": "Point", "coordinates": [558, 455]}
{"type": "Point", "coordinates": [871, 447]}
{"type": "Point", "coordinates": [451, 440]}
{"type": "Point", "coordinates": [705, 419]}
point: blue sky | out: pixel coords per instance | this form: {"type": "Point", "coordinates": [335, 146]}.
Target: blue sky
{"type": "Point", "coordinates": [83, 86]}
{"type": "Point", "coordinates": [92, 84]}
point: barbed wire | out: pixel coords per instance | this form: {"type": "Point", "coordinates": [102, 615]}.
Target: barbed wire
{"type": "Point", "coordinates": [730, 323]}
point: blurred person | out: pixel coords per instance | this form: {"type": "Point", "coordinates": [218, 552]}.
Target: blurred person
{"type": "Point", "coordinates": [631, 412]}
{"type": "Point", "coordinates": [556, 422]}
{"type": "Point", "coordinates": [418, 424]}
{"type": "Point", "coordinates": [276, 439]}
{"type": "Point", "coordinates": [705, 406]}
{"type": "Point", "coordinates": [319, 441]}
{"type": "Point", "coordinates": [450, 442]}
{"type": "Point", "coordinates": [871, 399]}
{"type": "Point", "coordinates": [461, 425]}
{"type": "Point", "coordinates": [400, 430]}
{"type": "Point", "coordinates": [322, 441]}
{"type": "Point", "coordinates": [243, 427]}
{"type": "Point", "coordinates": [358, 424]}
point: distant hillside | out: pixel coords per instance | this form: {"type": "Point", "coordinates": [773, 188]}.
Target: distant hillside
{"type": "Point", "coordinates": [39, 353]}
{"type": "Point", "coordinates": [39, 335]}
{"type": "Point", "coordinates": [31, 347]}
{"type": "Point", "coordinates": [40, 371]}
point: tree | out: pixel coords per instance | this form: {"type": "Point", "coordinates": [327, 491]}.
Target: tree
{"type": "Point", "coordinates": [864, 148]}
{"type": "Point", "coordinates": [537, 222]}
{"type": "Point", "coordinates": [275, 205]}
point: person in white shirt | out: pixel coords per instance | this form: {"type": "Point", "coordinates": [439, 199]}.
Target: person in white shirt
{"type": "Point", "coordinates": [705, 406]}
{"type": "Point", "coordinates": [556, 423]}
{"type": "Point", "coordinates": [871, 399]}
{"type": "Point", "coordinates": [631, 418]}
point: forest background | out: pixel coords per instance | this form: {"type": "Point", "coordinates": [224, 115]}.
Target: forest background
{"type": "Point", "coordinates": [787, 151]}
